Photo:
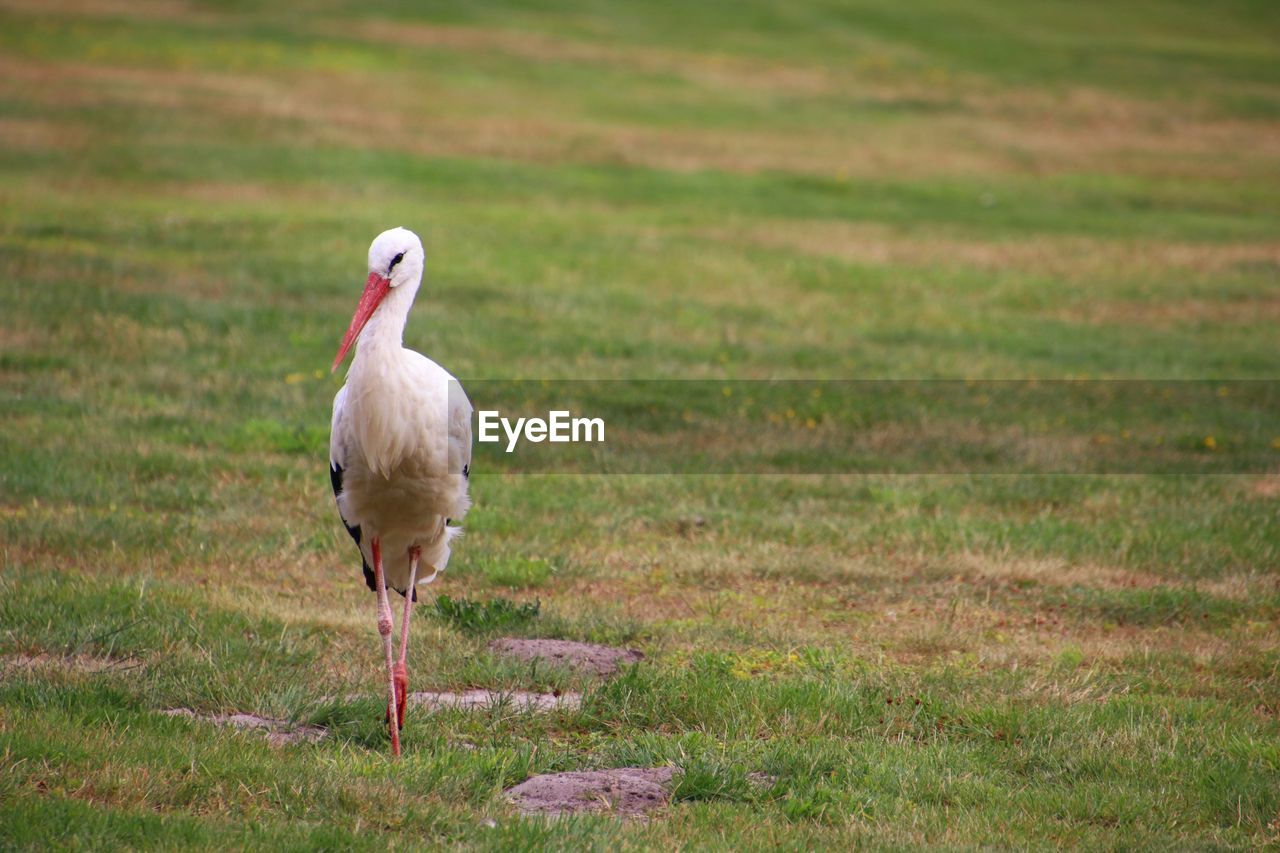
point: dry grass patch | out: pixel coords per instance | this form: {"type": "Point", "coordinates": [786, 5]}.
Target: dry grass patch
{"type": "Point", "coordinates": [712, 70]}
{"type": "Point", "coordinates": [1065, 257]}
{"type": "Point", "coordinates": [332, 105]}
{"type": "Point", "coordinates": [1209, 651]}
{"type": "Point", "coordinates": [939, 124]}
{"type": "Point", "coordinates": [84, 664]}
{"type": "Point", "coordinates": [1066, 655]}
{"type": "Point", "coordinates": [238, 192]}
{"type": "Point", "coordinates": [901, 150]}
{"type": "Point", "coordinates": [1266, 487]}
{"type": "Point", "coordinates": [1087, 130]}
{"type": "Point", "coordinates": [977, 568]}
{"type": "Point", "coordinates": [1167, 315]}
{"type": "Point", "coordinates": [69, 84]}
{"type": "Point", "coordinates": [973, 129]}
{"type": "Point", "coordinates": [40, 133]}
{"type": "Point", "coordinates": [169, 10]}
{"type": "Point", "coordinates": [921, 449]}
{"type": "Point", "coordinates": [364, 110]}
{"type": "Point", "coordinates": [980, 568]}
{"type": "Point", "coordinates": [919, 619]}
{"type": "Point", "coordinates": [1079, 128]}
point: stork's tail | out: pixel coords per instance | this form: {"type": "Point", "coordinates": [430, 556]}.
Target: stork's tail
{"type": "Point", "coordinates": [436, 557]}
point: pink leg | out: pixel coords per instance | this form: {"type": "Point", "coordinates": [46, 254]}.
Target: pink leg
{"type": "Point", "coordinates": [402, 671]}
{"type": "Point", "coordinates": [384, 628]}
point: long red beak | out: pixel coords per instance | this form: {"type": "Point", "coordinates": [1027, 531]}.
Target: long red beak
{"type": "Point", "coordinates": [375, 290]}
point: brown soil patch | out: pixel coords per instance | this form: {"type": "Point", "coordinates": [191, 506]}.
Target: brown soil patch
{"type": "Point", "coordinates": [519, 700]}
{"type": "Point", "coordinates": [626, 791]}
{"type": "Point", "coordinates": [583, 657]}
{"type": "Point", "coordinates": [279, 732]}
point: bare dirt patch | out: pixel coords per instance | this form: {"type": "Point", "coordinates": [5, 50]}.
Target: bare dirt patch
{"type": "Point", "coordinates": [587, 658]}
{"type": "Point", "coordinates": [519, 700]}
{"type": "Point", "coordinates": [279, 732]}
{"type": "Point", "coordinates": [624, 791]}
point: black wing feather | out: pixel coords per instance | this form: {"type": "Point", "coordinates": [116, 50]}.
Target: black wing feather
{"type": "Point", "coordinates": [335, 478]}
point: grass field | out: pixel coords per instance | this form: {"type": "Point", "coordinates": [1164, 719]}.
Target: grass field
{"type": "Point", "coordinates": [712, 191]}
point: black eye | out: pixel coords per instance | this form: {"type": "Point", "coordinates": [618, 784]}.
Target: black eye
{"type": "Point", "coordinates": [397, 259]}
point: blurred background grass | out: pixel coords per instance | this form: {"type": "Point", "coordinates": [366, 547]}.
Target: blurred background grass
{"type": "Point", "coordinates": [853, 190]}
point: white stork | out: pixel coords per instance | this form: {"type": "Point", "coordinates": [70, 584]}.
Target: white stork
{"type": "Point", "coordinates": [399, 450]}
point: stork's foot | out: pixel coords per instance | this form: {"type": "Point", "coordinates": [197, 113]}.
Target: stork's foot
{"type": "Point", "coordinates": [401, 677]}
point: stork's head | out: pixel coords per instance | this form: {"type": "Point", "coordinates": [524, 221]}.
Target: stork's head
{"type": "Point", "coordinates": [397, 256]}
{"type": "Point", "coordinates": [395, 263]}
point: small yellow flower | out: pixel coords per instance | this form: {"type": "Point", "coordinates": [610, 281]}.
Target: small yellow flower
{"type": "Point", "coordinates": [294, 378]}
{"type": "Point", "coordinates": [1275, 443]}
{"type": "Point", "coordinates": [1210, 443]}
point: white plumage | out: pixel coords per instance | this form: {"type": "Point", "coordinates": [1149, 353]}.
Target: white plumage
{"type": "Point", "coordinates": [400, 447]}
{"type": "Point", "coordinates": [401, 430]}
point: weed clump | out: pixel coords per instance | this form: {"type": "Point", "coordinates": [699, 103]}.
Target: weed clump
{"type": "Point", "coordinates": [480, 617]}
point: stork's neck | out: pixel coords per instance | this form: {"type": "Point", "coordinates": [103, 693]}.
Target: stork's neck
{"type": "Point", "coordinates": [385, 329]}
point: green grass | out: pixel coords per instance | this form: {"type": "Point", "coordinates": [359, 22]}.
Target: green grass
{"type": "Point", "coordinates": [475, 617]}
{"type": "Point", "coordinates": [951, 614]}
